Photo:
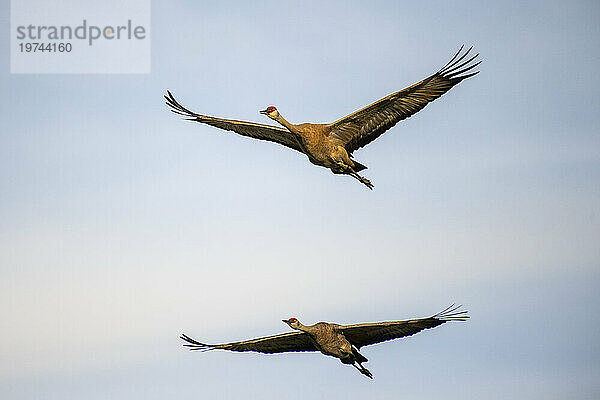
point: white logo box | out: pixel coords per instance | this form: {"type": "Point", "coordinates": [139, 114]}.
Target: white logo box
{"type": "Point", "coordinates": [80, 36]}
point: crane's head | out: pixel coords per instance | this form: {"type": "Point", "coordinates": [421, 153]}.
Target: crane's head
{"type": "Point", "coordinates": [292, 322]}
{"type": "Point", "coordinates": [270, 112]}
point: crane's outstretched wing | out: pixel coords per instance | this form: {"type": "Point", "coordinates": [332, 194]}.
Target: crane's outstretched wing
{"type": "Point", "coordinates": [362, 127]}
{"type": "Point", "coordinates": [244, 128]}
{"type": "Point", "coordinates": [293, 341]}
{"type": "Point", "coordinates": [365, 334]}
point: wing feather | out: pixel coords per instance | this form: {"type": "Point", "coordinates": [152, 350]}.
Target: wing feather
{"type": "Point", "coordinates": [363, 126]}
{"type": "Point", "coordinates": [286, 342]}
{"type": "Point", "coordinates": [370, 333]}
{"type": "Point", "coordinates": [250, 129]}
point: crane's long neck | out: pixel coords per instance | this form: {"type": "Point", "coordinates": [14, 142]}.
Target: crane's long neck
{"type": "Point", "coordinates": [297, 326]}
{"type": "Point", "coordinates": [284, 122]}
{"type": "Point", "coordinates": [303, 328]}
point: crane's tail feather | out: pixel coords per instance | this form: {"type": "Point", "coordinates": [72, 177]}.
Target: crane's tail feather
{"type": "Point", "coordinates": [452, 313]}
{"type": "Point", "coordinates": [195, 345]}
{"type": "Point", "coordinates": [178, 108]}
{"type": "Point", "coordinates": [358, 166]}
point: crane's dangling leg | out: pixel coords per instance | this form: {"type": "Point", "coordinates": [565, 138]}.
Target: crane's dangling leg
{"type": "Point", "coordinates": [343, 168]}
{"type": "Point", "coordinates": [361, 179]}
{"type": "Point", "coordinates": [362, 369]}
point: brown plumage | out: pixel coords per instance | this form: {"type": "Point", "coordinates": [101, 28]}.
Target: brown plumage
{"type": "Point", "coordinates": [340, 341]}
{"type": "Point", "coordinates": [331, 145]}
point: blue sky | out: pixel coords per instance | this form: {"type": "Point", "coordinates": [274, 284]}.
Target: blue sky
{"type": "Point", "coordinates": [124, 226]}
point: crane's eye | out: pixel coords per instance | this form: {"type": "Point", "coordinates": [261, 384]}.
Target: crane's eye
{"type": "Point", "coordinates": [293, 319]}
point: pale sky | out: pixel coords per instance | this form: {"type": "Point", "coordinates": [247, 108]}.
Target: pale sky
{"type": "Point", "coordinates": [123, 226]}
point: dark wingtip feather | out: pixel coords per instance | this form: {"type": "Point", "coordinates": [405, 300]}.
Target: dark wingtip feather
{"type": "Point", "coordinates": [459, 66]}
{"type": "Point", "coordinates": [452, 59]}
{"type": "Point", "coordinates": [194, 344]}
{"type": "Point", "coordinates": [452, 313]}
{"type": "Point", "coordinates": [470, 75]}
{"type": "Point", "coordinates": [455, 68]}
{"type": "Point", "coordinates": [178, 108]}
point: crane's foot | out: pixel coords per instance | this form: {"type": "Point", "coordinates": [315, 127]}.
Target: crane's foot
{"type": "Point", "coordinates": [362, 180]}
{"type": "Point", "coordinates": [363, 370]}
{"type": "Point", "coordinates": [366, 182]}
{"type": "Point", "coordinates": [344, 169]}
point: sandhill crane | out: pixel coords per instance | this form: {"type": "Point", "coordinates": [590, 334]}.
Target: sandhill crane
{"type": "Point", "coordinates": [331, 145]}
{"type": "Point", "coordinates": [341, 341]}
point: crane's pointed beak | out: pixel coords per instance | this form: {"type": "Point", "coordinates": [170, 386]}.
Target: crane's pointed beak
{"type": "Point", "coordinates": [264, 112]}
{"type": "Point", "coordinates": [285, 320]}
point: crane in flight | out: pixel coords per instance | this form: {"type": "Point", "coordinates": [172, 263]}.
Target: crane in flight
{"type": "Point", "coordinates": [340, 341]}
{"type": "Point", "coordinates": [332, 145]}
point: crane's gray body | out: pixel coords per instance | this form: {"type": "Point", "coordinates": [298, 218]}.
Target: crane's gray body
{"type": "Point", "coordinates": [322, 148]}
{"type": "Point", "coordinates": [329, 340]}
